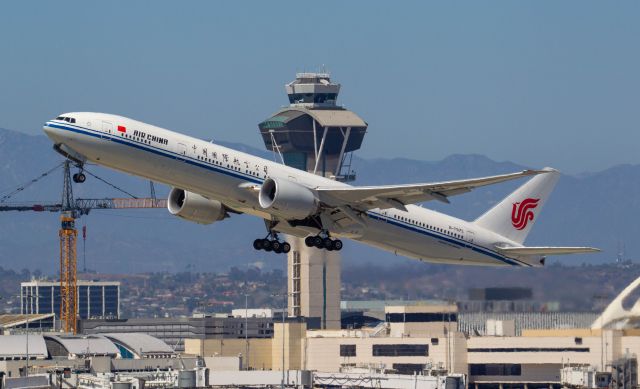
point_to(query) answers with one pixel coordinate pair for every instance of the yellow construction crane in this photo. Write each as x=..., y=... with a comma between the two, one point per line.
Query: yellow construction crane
x=71, y=210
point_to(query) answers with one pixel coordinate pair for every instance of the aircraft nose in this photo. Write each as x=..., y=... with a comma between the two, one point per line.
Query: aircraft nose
x=50, y=131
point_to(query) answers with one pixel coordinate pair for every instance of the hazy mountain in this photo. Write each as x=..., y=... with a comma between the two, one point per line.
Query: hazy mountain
x=596, y=209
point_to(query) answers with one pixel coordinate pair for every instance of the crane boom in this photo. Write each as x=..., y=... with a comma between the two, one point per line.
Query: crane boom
x=70, y=210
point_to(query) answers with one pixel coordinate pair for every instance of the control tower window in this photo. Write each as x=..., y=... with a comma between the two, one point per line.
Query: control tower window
x=317, y=98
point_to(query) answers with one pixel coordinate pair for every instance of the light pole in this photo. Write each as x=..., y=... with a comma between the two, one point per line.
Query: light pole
x=246, y=329
x=29, y=296
x=203, y=305
x=602, y=298
x=284, y=304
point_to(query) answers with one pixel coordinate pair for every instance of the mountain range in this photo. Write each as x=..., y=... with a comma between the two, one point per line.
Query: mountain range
x=599, y=209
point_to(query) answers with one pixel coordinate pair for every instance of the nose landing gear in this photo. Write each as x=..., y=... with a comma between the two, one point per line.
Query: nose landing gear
x=79, y=178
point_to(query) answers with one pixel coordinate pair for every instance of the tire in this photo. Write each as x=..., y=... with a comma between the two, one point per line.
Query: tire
x=317, y=242
x=286, y=247
x=81, y=178
x=327, y=244
x=337, y=245
x=75, y=177
x=257, y=244
x=309, y=241
x=266, y=245
x=277, y=246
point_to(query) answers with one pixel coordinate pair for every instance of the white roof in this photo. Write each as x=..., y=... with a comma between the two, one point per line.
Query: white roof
x=140, y=343
x=15, y=346
x=336, y=118
x=86, y=345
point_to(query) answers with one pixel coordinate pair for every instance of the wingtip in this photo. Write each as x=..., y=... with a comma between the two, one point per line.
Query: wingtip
x=541, y=171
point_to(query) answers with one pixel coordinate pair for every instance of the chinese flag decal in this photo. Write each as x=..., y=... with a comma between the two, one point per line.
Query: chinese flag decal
x=122, y=129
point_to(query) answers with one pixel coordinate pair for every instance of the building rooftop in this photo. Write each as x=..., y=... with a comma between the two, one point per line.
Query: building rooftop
x=82, y=345
x=14, y=347
x=141, y=345
x=8, y=321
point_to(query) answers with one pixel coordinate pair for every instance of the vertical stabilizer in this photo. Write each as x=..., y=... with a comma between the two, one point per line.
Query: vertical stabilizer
x=514, y=216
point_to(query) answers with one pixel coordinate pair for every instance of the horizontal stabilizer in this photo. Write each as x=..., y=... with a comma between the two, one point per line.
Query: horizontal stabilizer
x=546, y=250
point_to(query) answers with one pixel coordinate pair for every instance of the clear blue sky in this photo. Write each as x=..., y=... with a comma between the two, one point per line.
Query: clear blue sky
x=539, y=83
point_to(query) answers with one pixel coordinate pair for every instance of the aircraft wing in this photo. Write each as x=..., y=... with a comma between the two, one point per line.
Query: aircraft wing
x=546, y=250
x=397, y=196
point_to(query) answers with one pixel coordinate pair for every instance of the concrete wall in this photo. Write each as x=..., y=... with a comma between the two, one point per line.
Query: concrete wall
x=259, y=350
x=319, y=280
x=592, y=357
x=293, y=335
x=323, y=353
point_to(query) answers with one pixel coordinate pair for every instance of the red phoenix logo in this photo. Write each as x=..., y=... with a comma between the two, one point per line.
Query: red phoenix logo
x=522, y=213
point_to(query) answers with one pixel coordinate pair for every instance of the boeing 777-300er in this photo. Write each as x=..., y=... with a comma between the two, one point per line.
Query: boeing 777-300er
x=209, y=182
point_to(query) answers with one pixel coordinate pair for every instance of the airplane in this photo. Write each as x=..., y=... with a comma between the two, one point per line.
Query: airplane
x=210, y=182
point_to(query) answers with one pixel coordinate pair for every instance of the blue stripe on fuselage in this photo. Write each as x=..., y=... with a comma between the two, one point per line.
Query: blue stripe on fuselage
x=457, y=242
x=155, y=150
x=235, y=174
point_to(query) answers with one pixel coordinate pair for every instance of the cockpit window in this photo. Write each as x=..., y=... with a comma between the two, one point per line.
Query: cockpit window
x=60, y=118
x=66, y=119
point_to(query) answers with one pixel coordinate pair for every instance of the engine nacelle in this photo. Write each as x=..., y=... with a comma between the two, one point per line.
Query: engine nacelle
x=195, y=208
x=288, y=199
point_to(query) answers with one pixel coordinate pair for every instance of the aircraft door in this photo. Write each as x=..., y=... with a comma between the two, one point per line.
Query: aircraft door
x=470, y=236
x=182, y=149
x=107, y=130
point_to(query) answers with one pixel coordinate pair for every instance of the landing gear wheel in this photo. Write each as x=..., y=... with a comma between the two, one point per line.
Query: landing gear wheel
x=266, y=245
x=257, y=244
x=327, y=244
x=79, y=178
x=318, y=242
x=337, y=245
x=277, y=246
x=278, y=250
x=286, y=247
x=309, y=241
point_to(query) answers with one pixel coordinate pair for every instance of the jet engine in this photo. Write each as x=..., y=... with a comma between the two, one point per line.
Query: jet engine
x=195, y=208
x=288, y=199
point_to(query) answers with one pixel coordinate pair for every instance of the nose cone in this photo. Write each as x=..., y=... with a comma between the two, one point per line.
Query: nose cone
x=52, y=132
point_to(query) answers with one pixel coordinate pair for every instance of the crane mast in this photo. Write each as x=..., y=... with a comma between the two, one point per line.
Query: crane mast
x=68, y=257
x=70, y=210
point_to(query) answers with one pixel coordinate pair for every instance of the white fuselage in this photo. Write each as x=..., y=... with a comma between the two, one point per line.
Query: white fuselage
x=225, y=175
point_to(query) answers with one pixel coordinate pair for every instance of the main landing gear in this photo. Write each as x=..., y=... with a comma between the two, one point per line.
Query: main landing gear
x=323, y=243
x=272, y=243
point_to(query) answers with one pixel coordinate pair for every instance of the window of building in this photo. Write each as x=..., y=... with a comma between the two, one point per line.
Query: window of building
x=347, y=350
x=495, y=369
x=408, y=368
x=435, y=341
x=421, y=317
x=400, y=350
x=578, y=340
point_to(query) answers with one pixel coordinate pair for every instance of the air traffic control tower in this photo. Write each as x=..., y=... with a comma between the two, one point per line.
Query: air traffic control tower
x=314, y=134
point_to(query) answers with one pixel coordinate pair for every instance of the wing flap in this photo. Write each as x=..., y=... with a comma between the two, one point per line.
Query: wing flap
x=396, y=196
x=546, y=250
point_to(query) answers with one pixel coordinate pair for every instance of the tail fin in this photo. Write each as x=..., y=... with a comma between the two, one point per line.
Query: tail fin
x=514, y=216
